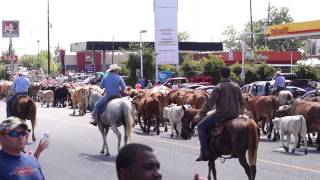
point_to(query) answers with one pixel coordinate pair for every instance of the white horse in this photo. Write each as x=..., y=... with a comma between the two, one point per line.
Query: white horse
x=93, y=97
x=285, y=97
x=118, y=112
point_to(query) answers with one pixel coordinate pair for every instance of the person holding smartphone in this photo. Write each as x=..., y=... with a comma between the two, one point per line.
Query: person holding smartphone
x=14, y=163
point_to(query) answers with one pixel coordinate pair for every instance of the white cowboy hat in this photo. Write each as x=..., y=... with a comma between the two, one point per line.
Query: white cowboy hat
x=113, y=67
x=278, y=72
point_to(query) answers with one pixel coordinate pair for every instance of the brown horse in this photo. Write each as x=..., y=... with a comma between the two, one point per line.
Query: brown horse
x=238, y=136
x=25, y=108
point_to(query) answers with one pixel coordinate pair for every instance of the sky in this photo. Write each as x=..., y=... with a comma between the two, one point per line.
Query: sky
x=103, y=20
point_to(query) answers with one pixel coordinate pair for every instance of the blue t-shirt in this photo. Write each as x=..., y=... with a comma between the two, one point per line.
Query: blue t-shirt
x=113, y=84
x=20, y=84
x=23, y=167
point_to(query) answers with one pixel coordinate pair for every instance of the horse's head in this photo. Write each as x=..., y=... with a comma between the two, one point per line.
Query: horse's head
x=187, y=122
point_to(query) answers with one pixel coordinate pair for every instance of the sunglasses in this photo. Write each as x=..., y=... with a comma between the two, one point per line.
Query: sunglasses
x=16, y=134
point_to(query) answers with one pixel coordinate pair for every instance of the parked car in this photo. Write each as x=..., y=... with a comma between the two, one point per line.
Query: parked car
x=206, y=88
x=296, y=91
x=177, y=80
x=257, y=88
x=311, y=94
x=190, y=86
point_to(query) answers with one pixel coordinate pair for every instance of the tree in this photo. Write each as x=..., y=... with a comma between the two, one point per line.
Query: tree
x=277, y=16
x=133, y=62
x=212, y=66
x=264, y=71
x=307, y=72
x=31, y=61
x=183, y=36
x=231, y=38
x=184, y=56
x=190, y=68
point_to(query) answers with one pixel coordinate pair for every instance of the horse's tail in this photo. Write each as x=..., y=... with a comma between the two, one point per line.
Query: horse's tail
x=253, y=142
x=128, y=117
x=32, y=112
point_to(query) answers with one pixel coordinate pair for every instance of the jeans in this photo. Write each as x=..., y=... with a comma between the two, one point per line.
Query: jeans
x=99, y=104
x=11, y=100
x=203, y=131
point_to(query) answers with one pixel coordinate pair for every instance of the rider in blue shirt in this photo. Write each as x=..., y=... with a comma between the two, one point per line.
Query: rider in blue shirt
x=20, y=86
x=279, y=83
x=114, y=86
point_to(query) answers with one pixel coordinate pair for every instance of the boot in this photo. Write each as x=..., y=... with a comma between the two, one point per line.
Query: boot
x=94, y=119
x=204, y=156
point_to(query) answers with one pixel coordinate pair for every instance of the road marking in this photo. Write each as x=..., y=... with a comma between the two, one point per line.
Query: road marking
x=110, y=164
x=261, y=160
x=197, y=148
x=290, y=166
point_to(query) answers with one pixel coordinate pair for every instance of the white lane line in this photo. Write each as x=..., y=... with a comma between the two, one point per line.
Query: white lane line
x=196, y=148
x=261, y=160
x=290, y=166
x=109, y=164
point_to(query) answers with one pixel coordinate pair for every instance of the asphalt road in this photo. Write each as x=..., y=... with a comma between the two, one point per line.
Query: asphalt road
x=75, y=146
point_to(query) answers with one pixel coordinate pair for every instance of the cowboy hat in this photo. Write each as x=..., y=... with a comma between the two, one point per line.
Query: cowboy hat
x=113, y=67
x=278, y=72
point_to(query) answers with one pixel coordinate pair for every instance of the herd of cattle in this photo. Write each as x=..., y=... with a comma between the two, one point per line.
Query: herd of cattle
x=155, y=107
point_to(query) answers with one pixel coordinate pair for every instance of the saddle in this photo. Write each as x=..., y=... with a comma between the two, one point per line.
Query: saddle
x=110, y=99
x=106, y=104
x=13, y=105
x=219, y=127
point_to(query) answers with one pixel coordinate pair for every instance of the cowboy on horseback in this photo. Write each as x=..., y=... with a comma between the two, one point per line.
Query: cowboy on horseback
x=20, y=86
x=279, y=83
x=114, y=86
x=228, y=100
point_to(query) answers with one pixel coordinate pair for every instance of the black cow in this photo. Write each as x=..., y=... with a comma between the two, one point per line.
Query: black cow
x=61, y=95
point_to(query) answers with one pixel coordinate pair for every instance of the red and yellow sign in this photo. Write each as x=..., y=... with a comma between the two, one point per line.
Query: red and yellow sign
x=308, y=30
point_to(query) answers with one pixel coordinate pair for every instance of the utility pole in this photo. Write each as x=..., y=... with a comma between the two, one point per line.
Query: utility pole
x=48, y=41
x=268, y=21
x=251, y=25
x=38, y=41
x=112, y=49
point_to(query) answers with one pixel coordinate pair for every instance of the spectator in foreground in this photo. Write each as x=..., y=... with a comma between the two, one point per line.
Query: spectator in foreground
x=138, y=162
x=14, y=164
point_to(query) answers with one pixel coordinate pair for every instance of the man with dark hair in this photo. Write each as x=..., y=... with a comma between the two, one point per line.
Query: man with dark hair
x=14, y=164
x=137, y=162
x=228, y=100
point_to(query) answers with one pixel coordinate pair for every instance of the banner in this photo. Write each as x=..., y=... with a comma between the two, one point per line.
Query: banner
x=10, y=28
x=166, y=34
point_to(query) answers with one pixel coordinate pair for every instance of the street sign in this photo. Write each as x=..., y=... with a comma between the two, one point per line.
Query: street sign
x=10, y=28
x=89, y=68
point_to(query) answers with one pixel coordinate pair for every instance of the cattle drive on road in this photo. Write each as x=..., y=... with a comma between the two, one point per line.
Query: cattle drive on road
x=154, y=108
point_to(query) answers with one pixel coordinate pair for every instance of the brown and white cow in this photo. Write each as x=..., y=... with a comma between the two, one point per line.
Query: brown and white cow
x=45, y=97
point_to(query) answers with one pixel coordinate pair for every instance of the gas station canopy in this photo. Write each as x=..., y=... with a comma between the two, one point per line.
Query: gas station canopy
x=299, y=30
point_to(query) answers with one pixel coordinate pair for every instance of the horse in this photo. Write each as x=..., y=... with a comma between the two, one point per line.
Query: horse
x=25, y=108
x=285, y=97
x=118, y=112
x=93, y=97
x=235, y=137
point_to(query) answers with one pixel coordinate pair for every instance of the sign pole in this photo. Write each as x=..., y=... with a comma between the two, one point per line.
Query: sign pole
x=10, y=54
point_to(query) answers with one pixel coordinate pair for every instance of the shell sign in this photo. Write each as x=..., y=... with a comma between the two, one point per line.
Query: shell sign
x=304, y=30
